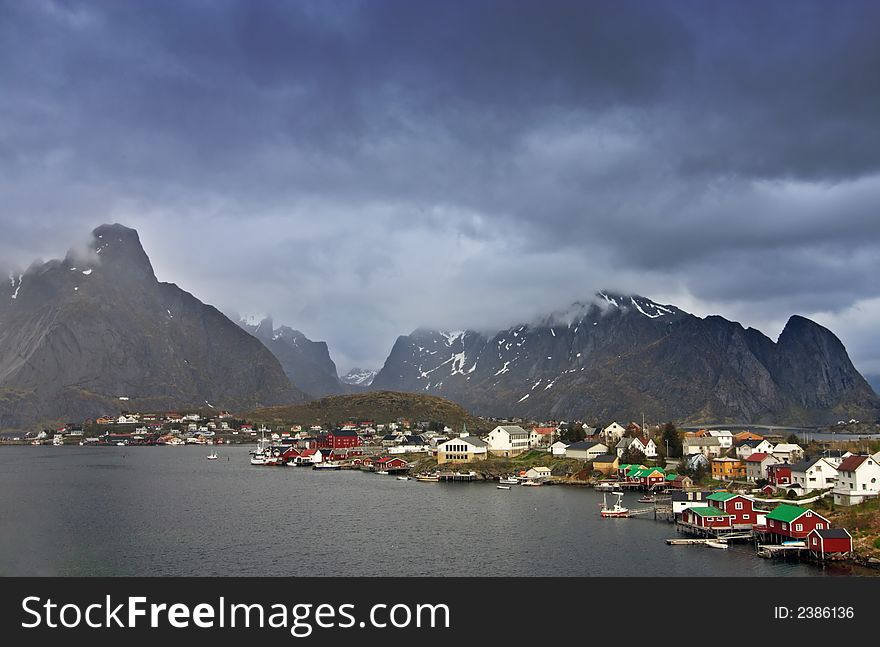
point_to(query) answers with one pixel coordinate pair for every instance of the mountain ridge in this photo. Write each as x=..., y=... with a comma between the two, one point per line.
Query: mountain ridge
x=618, y=356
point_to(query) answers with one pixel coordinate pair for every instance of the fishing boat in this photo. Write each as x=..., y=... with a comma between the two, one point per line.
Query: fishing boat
x=258, y=458
x=327, y=465
x=428, y=478
x=508, y=480
x=503, y=487
x=530, y=482
x=615, y=510
x=212, y=456
x=717, y=544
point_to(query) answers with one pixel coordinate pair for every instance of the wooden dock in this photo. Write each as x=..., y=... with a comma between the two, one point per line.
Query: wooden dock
x=770, y=551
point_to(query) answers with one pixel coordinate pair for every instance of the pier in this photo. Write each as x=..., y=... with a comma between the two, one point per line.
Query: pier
x=458, y=476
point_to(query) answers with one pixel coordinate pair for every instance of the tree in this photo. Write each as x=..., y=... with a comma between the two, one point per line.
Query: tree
x=572, y=433
x=632, y=456
x=792, y=439
x=671, y=438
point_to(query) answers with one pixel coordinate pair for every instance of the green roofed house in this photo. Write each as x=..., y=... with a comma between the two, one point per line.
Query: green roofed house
x=707, y=517
x=787, y=522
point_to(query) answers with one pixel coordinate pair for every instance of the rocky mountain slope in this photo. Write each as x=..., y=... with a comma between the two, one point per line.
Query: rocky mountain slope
x=620, y=356
x=307, y=363
x=80, y=334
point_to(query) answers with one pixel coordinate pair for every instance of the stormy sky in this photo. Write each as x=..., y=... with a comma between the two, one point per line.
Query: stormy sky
x=359, y=168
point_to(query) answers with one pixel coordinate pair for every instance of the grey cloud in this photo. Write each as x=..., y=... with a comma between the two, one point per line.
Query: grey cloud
x=460, y=163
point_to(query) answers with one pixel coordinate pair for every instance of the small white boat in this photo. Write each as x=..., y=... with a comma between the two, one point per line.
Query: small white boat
x=402, y=478
x=428, y=478
x=717, y=544
x=533, y=483
x=503, y=487
x=508, y=480
x=382, y=472
x=212, y=456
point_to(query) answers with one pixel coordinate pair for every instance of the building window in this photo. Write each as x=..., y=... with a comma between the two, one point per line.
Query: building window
x=798, y=527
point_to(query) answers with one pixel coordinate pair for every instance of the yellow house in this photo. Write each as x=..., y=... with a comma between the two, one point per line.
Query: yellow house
x=728, y=469
x=606, y=463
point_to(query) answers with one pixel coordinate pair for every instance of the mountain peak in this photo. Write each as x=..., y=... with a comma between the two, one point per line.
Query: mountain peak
x=121, y=246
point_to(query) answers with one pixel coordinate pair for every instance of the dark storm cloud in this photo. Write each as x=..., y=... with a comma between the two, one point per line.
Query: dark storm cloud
x=413, y=161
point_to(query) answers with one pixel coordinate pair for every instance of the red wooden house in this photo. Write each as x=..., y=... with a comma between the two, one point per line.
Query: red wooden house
x=789, y=522
x=290, y=454
x=707, y=517
x=779, y=474
x=829, y=542
x=339, y=439
x=742, y=508
x=391, y=464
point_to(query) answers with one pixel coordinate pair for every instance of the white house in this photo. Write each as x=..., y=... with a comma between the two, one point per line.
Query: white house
x=724, y=436
x=858, y=479
x=585, y=450
x=746, y=448
x=508, y=440
x=613, y=433
x=647, y=447
x=707, y=446
x=558, y=448
x=814, y=474
x=788, y=452
x=538, y=474
x=461, y=449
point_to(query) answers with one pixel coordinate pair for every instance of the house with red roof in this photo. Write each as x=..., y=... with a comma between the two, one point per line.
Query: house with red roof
x=757, y=464
x=858, y=479
x=390, y=464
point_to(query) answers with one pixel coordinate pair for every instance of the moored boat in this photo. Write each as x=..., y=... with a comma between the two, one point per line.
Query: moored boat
x=428, y=478
x=615, y=510
x=503, y=487
x=508, y=480
x=717, y=544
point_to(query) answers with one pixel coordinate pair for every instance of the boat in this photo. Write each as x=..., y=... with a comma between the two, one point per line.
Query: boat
x=508, y=480
x=402, y=478
x=648, y=498
x=212, y=456
x=717, y=544
x=428, y=478
x=382, y=472
x=615, y=510
x=326, y=465
x=258, y=458
x=530, y=482
x=503, y=487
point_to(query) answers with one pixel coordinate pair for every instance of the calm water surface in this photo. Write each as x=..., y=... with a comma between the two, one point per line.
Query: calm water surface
x=168, y=511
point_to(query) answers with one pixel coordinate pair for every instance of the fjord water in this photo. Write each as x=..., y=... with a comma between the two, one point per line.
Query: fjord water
x=143, y=511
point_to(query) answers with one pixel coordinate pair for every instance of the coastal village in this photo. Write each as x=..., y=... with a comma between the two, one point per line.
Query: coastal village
x=814, y=501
